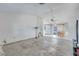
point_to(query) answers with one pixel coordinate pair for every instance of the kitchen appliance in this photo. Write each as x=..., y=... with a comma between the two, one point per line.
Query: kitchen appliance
x=76, y=42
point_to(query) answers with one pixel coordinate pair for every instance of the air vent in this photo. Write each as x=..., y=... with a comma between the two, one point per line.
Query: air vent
x=41, y=3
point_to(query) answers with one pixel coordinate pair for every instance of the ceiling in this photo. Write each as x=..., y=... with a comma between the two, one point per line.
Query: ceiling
x=28, y=7
x=33, y=8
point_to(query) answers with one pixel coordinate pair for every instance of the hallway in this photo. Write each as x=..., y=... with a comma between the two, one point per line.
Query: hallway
x=44, y=46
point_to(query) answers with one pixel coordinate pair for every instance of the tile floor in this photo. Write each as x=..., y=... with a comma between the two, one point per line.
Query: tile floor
x=44, y=46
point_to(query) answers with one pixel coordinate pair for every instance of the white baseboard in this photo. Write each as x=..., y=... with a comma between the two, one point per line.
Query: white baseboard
x=18, y=40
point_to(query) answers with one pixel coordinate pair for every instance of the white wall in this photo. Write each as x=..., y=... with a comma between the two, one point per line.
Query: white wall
x=16, y=26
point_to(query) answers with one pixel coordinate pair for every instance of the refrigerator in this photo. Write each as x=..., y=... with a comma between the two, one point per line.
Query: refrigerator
x=76, y=42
